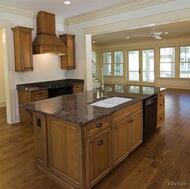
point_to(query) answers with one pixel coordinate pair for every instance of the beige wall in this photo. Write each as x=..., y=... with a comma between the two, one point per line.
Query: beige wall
x=177, y=82
x=2, y=78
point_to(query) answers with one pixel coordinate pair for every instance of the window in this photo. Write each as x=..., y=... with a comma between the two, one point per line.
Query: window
x=118, y=63
x=167, y=62
x=107, y=60
x=148, y=65
x=113, y=63
x=185, y=62
x=133, y=57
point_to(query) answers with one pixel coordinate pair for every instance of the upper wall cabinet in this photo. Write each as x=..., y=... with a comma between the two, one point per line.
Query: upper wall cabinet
x=68, y=60
x=23, y=48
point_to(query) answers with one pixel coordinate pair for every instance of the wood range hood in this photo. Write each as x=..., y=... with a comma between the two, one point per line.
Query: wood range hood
x=46, y=40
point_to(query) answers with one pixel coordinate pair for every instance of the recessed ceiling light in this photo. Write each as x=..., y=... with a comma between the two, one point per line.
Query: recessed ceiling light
x=67, y=2
x=166, y=33
x=127, y=37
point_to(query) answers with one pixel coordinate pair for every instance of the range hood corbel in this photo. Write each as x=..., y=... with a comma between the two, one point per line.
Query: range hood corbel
x=46, y=40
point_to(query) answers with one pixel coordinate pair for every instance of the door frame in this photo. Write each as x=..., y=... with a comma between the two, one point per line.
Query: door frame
x=9, y=72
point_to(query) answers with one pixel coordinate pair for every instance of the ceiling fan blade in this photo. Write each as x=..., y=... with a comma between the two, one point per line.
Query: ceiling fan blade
x=157, y=33
x=157, y=37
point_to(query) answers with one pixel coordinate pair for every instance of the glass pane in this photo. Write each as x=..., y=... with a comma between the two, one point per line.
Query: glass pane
x=167, y=54
x=118, y=57
x=167, y=70
x=167, y=62
x=133, y=57
x=148, y=65
x=185, y=54
x=107, y=69
x=118, y=69
x=184, y=62
x=185, y=70
x=134, y=76
x=107, y=57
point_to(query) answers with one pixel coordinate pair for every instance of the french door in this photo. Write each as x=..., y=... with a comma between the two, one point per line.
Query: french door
x=141, y=67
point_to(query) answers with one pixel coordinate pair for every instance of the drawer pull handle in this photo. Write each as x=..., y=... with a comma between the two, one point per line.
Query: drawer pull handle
x=100, y=142
x=99, y=125
x=39, y=93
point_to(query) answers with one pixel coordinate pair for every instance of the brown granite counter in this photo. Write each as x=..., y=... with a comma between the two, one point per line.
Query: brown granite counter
x=77, y=107
x=47, y=84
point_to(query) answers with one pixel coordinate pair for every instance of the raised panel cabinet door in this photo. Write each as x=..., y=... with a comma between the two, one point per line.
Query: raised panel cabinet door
x=26, y=41
x=135, y=126
x=160, y=109
x=98, y=162
x=23, y=48
x=64, y=150
x=39, y=124
x=71, y=51
x=120, y=141
x=68, y=60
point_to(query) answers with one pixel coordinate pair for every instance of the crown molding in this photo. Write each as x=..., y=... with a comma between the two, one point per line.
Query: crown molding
x=116, y=9
x=8, y=8
x=16, y=10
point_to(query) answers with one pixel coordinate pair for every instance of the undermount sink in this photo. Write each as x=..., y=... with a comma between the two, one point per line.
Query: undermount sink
x=111, y=102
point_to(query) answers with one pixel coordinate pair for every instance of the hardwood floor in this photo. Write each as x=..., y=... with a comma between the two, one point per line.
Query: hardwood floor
x=162, y=162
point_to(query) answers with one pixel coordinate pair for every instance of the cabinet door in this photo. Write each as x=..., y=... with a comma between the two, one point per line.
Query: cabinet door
x=39, y=124
x=23, y=48
x=135, y=126
x=160, y=109
x=120, y=141
x=97, y=152
x=68, y=60
x=26, y=51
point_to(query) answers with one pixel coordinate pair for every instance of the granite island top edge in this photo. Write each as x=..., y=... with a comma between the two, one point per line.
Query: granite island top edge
x=77, y=108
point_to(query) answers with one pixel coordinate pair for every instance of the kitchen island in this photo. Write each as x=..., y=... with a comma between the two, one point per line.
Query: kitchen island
x=77, y=143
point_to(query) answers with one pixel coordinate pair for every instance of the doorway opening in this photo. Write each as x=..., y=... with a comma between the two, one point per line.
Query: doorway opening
x=8, y=72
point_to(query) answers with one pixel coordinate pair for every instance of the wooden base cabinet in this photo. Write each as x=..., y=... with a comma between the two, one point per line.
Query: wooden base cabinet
x=127, y=131
x=77, y=157
x=120, y=141
x=160, y=108
x=40, y=138
x=98, y=153
x=25, y=96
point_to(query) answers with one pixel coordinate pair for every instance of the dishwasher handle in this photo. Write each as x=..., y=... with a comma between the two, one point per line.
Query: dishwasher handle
x=150, y=100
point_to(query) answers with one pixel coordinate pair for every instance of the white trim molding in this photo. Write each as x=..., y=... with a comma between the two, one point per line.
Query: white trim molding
x=116, y=9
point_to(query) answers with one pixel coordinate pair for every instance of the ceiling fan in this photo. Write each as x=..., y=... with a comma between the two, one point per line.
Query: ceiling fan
x=156, y=35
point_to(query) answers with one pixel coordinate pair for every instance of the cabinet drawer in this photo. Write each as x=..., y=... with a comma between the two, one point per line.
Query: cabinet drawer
x=160, y=118
x=121, y=114
x=77, y=88
x=39, y=95
x=96, y=126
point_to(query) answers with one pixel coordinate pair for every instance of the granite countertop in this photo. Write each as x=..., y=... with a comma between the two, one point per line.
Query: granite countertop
x=47, y=84
x=76, y=107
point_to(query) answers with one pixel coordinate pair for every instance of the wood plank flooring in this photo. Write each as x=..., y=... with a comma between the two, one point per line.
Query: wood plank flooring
x=163, y=162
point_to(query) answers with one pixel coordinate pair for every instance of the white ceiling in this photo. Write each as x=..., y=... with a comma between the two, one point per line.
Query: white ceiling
x=78, y=7
x=175, y=30
x=58, y=7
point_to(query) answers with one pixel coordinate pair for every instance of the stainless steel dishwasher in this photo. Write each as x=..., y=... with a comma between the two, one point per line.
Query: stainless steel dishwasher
x=149, y=117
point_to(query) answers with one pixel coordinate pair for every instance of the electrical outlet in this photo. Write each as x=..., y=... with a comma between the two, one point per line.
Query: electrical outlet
x=22, y=78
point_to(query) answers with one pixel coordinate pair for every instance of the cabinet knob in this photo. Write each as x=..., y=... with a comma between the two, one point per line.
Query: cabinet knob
x=100, y=142
x=99, y=125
